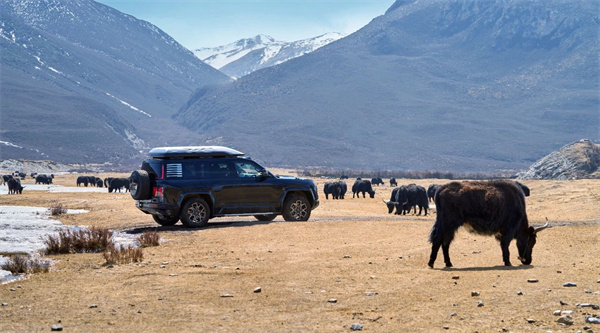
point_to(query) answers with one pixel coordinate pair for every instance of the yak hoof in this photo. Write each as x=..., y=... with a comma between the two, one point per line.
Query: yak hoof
x=448, y=264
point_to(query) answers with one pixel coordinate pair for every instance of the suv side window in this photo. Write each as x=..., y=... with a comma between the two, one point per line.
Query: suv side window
x=247, y=169
x=220, y=170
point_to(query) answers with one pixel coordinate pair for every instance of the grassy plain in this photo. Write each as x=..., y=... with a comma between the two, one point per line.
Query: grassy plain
x=351, y=263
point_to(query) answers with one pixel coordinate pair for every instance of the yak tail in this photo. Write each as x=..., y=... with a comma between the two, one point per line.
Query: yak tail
x=436, y=234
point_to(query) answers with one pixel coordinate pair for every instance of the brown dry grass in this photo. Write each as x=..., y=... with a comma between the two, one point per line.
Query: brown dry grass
x=349, y=248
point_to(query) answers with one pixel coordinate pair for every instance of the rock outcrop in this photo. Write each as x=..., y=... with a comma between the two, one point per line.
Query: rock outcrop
x=577, y=160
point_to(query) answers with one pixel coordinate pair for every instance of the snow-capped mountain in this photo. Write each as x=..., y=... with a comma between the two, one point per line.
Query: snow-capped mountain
x=250, y=54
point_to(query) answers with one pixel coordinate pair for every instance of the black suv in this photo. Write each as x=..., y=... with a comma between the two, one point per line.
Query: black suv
x=194, y=184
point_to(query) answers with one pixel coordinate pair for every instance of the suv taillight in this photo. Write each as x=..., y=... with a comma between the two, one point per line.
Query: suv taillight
x=158, y=192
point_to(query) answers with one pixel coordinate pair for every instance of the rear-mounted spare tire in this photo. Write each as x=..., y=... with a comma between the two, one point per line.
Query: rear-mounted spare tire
x=139, y=185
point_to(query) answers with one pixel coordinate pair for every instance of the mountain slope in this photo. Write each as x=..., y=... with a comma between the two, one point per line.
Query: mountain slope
x=430, y=85
x=576, y=160
x=251, y=54
x=105, y=77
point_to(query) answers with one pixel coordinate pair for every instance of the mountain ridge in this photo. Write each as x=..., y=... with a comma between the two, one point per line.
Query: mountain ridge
x=247, y=55
x=430, y=85
x=105, y=77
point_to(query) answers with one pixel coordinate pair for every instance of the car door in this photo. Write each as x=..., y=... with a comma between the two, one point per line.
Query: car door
x=253, y=192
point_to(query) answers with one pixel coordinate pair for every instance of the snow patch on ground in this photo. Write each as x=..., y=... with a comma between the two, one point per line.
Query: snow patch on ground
x=24, y=229
x=56, y=189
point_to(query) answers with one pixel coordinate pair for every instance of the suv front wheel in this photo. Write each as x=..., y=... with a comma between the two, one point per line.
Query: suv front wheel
x=296, y=208
x=195, y=213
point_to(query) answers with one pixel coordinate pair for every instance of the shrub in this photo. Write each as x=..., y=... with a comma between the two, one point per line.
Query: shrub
x=149, y=238
x=57, y=210
x=79, y=241
x=123, y=255
x=21, y=264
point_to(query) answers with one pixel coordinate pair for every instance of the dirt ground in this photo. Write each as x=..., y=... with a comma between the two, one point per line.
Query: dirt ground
x=352, y=263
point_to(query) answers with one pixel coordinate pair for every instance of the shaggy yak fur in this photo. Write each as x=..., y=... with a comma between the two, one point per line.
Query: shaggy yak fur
x=484, y=207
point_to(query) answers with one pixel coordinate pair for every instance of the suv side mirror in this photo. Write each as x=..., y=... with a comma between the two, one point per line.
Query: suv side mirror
x=264, y=174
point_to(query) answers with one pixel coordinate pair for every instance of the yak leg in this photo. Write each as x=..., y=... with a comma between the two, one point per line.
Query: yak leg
x=446, y=250
x=504, y=244
x=435, y=247
x=444, y=242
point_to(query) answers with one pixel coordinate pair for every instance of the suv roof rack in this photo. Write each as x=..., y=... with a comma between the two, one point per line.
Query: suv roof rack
x=193, y=151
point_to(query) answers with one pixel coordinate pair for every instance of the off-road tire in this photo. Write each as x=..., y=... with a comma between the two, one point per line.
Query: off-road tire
x=194, y=213
x=165, y=222
x=266, y=218
x=296, y=208
x=139, y=185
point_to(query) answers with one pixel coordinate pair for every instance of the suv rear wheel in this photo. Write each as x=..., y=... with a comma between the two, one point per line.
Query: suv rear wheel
x=195, y=213
x=165, y=222
x=296, y=208
x=139, y=185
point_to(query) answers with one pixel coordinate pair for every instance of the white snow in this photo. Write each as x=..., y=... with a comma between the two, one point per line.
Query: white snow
x=55, y=188
x=130, y=106
x=55, y=70
x=220, y=56
x=6, y=143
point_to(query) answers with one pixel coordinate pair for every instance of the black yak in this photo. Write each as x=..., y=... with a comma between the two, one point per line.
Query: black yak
x=487, y=208
x=362, y=186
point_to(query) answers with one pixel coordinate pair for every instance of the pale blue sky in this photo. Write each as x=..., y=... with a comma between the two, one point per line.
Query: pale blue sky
x=205, y=23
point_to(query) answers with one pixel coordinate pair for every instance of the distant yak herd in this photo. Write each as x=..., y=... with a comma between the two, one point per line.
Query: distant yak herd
x=13, y=181
x=113, y=184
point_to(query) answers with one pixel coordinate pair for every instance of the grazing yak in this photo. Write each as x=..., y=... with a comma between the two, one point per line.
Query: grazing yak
x=377, y=181
x=431, y=191
x=336, y=189
x=406, y=197
x=14, y=186
x=524, y=188
x=393, y=182
x=416, y=195
x=362, y=186
x=332, y=188
x=486, y=208
x=107, y=181
x=43, y=179
x=118, y=184
x=392, y=202
x=82, y=180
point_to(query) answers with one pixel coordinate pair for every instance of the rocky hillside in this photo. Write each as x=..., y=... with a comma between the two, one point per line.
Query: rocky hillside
x=82, y=82
x=447, y=85
x=577, y=160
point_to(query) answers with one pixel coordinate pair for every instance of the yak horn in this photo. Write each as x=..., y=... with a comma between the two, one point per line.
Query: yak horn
x=538, y=229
